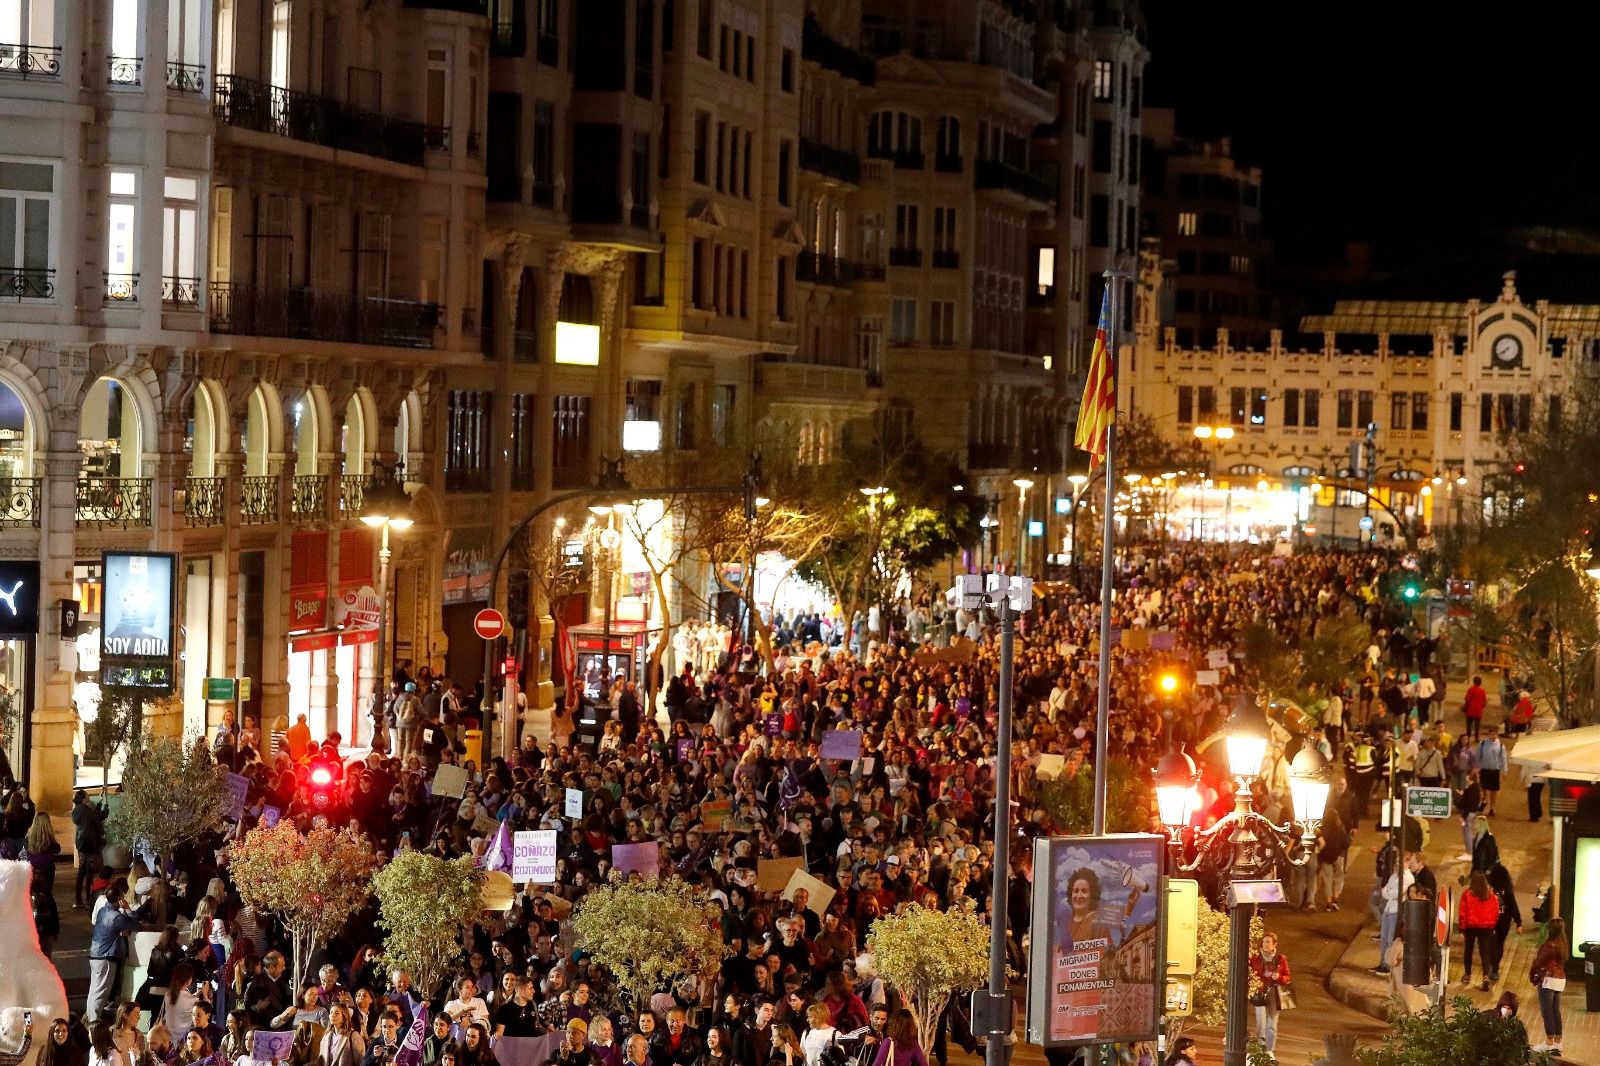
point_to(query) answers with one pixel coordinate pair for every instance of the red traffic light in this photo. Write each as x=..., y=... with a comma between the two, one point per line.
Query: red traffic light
x=321, y=776
x=1521, y=468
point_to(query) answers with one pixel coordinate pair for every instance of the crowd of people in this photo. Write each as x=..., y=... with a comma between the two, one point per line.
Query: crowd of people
x=908, y=823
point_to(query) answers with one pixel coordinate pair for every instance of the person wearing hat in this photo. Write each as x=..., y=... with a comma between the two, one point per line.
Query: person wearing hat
x=574, y=1050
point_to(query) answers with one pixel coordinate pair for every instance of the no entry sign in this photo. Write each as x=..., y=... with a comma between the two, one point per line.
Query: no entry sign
x=489, y=623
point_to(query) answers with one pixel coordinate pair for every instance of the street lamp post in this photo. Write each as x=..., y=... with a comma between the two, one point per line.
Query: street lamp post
x=1218, y=434
x=1023, y=484
x=384, y=506
x=874, y=493
x=1240, y=846
x=1010, y=596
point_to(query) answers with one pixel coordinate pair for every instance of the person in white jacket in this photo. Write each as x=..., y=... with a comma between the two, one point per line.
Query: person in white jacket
x=1394, y=889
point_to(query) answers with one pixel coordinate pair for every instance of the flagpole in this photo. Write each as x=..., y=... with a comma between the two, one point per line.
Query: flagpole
x=1113, y=280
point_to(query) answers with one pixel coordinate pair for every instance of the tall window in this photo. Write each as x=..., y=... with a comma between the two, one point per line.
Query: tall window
x=1419, y=410
x=1455, y=412
x=903, y=322
x=571, y=458
x=906, y=230
x=702, y=138
x=1400, y=411
x=282, y=12
x=1101, y=146
x=436, y=111
x=949, y=146
x=1185, y=404
x=1364, y=408
x=722, y=410
x=785, y=153
x=1188, y=223
x=1208, y=402
x=126, y=51
x=944, y=230
x=1291, y=407
x=467, y=442
x=1313, y=408
x=184, y=32
x=1258, y=407
x=180, y=272
x=28, y=22
x=942, y=322
x=1104, y=79
x=869, y=347
x=523, y=408
x=122, y=247
x=27, y=210
x=544, y=153
x=1345, y=412
x=1237, y=398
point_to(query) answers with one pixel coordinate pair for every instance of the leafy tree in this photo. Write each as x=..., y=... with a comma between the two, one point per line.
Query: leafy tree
x=312, y=882
x=171, y=794
x=930, y=955
x=1462, y=1034
x=112, y=729
x=649, y=933
x=1303, y=669
x=424, y=904
x=1068, y=800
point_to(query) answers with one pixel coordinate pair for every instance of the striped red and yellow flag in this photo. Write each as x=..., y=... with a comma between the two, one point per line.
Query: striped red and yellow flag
x=1099, y=407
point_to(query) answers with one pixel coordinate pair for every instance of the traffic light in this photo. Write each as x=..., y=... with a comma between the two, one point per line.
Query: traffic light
x=323, y=774
x=1409, y=590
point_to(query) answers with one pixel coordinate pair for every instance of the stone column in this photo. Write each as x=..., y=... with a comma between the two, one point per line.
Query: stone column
x=55, y=720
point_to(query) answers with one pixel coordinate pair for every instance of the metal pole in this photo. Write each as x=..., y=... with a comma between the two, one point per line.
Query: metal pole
x=1022, y=531
x=999, y=991
x=1237, y=1033
x=380, y=683
x=1108, y=536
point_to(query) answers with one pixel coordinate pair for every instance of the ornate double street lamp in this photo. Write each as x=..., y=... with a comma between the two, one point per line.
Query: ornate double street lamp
x=1243, y=846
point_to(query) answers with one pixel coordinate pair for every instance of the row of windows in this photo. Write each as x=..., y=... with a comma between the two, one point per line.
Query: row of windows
x=1354, y=408
x=726, y=163
x=908, y=229
x=644, y=413
x=905, y=325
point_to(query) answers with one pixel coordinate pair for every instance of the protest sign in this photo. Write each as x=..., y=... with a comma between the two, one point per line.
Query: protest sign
x=843, y=744
x=450, y=780
x=642, y=858
x=533, y=856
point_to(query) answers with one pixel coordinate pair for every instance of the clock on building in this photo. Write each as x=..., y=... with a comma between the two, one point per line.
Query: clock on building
x=1507, y=350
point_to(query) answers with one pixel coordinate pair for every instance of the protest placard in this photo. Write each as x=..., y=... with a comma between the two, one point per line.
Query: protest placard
x=1207, y=677
x=574, y=804
x=238, y=789
x=644, y=858
x=818, y=895
x=772, y=875
x=843, y=744
x=533, y=856
x=450, y=780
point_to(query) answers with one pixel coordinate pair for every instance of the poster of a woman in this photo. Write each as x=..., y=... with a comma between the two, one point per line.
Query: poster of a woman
x=1104, y=916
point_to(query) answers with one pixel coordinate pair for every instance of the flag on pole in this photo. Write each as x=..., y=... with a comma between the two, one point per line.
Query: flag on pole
x=497, y=856
x=410, y=1053
x=1099, y=406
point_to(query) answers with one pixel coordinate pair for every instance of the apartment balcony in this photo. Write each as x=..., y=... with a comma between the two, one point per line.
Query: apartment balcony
x=821, y=269
x=829, y=54
x=992, y=174
x=205, y=501
x=120, y=288
x=252, y=105
x=905, y=257
x=181, y=294
x=836, y=163
x=21, y=502
x=901, y=160
x=114, y=501
x=30, y=61
x=946, y=258
x=352, y=494
x=258, y=500
x=246, y=310
x=309, y=502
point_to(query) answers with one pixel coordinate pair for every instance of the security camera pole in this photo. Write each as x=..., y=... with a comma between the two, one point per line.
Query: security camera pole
x=1009, y=595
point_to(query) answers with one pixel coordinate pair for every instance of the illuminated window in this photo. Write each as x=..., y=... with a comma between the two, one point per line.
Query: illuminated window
x=577, y=344
x=1188, y=223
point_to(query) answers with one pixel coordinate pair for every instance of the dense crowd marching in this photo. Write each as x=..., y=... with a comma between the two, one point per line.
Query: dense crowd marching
x=908, y=823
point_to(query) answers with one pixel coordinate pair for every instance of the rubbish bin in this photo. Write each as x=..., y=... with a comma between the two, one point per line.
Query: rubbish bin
x=472, y=740
x=1590, y=950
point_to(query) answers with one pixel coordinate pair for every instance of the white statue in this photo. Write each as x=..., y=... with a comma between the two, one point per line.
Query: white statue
x=28, y=981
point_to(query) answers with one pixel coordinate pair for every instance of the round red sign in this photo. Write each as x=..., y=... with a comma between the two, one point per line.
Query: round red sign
x=489, y=623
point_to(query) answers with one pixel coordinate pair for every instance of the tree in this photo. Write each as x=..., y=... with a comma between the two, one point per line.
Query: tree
x=1068, y=800
x=1209, y=993
x=312, y=882
x=171, y=794
x=930, y=955
x=649, y=933
x=1462, y=1034
x=1302, y=670
x=424, y=904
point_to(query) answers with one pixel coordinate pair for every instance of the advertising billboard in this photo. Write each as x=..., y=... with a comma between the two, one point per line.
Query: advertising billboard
x=1098, y=971
x=136, y=632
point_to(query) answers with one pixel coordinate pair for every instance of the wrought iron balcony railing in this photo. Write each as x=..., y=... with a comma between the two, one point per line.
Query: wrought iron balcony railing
x=992, y=174
x=258, y=500
x=121, y=288
x=30, y=61
x=905, y=257
x=124, y=70
x=310, y=501
x=249, y=104
x=186, y=77
x=834, y=162
x=114, y=501
x=352, y=494
x=21, y=501
x=824, y=269
x=205, y=501
x=251, y=311
x=181, y=294
x=27, y=283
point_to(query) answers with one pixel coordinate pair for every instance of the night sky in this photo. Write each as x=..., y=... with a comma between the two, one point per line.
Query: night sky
x=1416, y=126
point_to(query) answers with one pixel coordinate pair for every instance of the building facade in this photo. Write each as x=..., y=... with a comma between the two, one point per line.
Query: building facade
x=255, y=253
x=1441, y=386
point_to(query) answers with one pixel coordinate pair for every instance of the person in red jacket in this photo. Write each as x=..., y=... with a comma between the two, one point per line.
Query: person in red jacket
x=1271, y=973
x=1473, y=707
x=1479, y=911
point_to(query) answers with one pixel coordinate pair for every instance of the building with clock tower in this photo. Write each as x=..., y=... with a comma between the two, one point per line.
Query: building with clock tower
x=1440, y=388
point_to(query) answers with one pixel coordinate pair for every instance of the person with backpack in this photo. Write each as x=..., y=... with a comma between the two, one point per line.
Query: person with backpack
x=89, y=837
